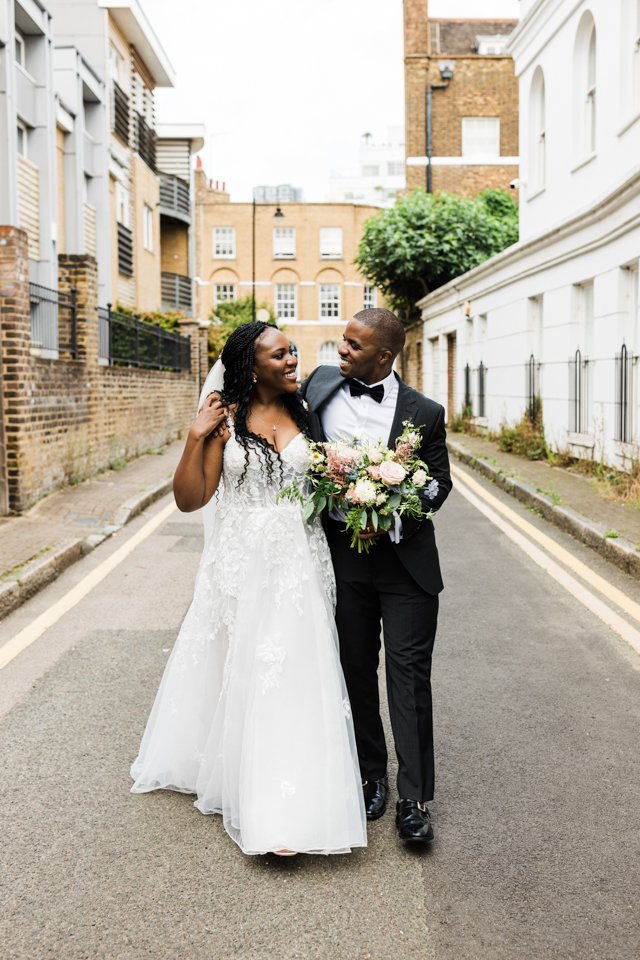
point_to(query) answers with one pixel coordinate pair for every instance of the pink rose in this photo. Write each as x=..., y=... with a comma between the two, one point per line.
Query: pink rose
x=374, y=471
x=392, y=473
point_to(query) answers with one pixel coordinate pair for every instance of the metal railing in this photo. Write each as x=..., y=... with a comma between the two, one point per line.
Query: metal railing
x=145, y=142
x=128, y=342
x=174, y=197
x=532, y=389
x=578, y=391
x=176, y=292
x=467, y=390
x=482, y=380
x=623, y=395
x=53, y=320
x=120, y=117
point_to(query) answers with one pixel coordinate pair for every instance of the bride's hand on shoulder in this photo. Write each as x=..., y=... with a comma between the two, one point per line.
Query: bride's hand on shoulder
x=211, y=419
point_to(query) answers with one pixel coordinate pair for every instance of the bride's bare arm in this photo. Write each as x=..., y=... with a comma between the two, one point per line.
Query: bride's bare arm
x=198, y=474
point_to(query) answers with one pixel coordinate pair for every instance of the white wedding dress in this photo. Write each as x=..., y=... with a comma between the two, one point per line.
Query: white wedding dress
x=252, y=713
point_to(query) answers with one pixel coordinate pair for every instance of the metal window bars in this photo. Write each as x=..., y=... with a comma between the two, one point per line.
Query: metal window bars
x=53, y=320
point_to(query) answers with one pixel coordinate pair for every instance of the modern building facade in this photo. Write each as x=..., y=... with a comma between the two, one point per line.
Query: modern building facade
x=554, y=320
x=381, y=172
x=298, y=257
x=461, y=103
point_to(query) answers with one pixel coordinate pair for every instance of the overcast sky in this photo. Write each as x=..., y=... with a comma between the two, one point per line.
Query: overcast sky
x=286, y=88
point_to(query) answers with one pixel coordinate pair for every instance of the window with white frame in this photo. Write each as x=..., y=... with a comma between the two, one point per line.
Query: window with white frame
x=286, y=301
x=370, y=299
x=370, y=170
x=585, y=108
x=22, y=139
x=395, y=168
x=20, y=50
x=488, y=45
x=634, y=16
x=225, y=292
x=122, y=204
x=284, y=243
x=147, y=227
x=480, y=136
x=537, y=133
x=331, y=243
x=328, y=353
x=115, y=64
x=329, y=301
x=224, y=243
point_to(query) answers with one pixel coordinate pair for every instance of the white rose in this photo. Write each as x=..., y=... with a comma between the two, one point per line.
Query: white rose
x=392, y=473
x=419, y=478
x=365, y=492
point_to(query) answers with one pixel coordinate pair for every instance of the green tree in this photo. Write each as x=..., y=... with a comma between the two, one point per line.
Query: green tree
x=425, y=240
x=226, y=317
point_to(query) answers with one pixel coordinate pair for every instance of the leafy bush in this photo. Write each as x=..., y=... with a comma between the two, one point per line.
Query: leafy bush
x=227, y=317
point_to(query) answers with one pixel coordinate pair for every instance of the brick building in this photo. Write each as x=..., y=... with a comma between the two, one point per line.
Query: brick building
x=304, y=266
x=461, y=102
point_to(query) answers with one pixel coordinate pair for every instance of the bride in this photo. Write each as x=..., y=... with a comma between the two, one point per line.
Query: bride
x=252, y=713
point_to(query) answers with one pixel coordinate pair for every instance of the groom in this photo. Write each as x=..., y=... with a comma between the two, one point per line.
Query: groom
x=398, y=581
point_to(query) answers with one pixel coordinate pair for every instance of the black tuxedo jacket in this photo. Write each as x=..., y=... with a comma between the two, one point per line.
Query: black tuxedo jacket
x=417, y=550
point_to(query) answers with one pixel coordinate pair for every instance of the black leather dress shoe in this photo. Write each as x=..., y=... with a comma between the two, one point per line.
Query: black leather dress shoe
x=413, y=821
x=376, y=793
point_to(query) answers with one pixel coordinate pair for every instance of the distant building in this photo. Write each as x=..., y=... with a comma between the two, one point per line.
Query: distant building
x=304, y=266
x=282, y=193
x=461, y=99
x=380, y=175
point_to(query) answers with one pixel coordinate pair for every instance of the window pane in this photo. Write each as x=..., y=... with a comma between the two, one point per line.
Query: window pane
x=286, y=301
x=330, y=301
x=480, y=136
x=225, y=292
x=224, y=242
x=328, y=353
x=370, y=297
x=331, y=242
x=284, y=243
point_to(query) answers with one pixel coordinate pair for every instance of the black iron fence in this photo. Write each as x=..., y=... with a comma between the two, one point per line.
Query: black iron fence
x=624, y=395
x=578, y=393
x=476, y=409
x=532, y=389
x=53, y=320
x=128, y=342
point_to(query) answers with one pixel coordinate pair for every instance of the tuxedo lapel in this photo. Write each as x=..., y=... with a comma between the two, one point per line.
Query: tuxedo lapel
x=406, y=409
x=325, y=382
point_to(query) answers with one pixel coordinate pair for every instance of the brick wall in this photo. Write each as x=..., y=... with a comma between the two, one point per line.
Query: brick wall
x=481, y=86
x=66, y=419
x=412, y=357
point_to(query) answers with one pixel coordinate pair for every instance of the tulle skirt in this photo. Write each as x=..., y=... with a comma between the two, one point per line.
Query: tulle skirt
x=252, y=714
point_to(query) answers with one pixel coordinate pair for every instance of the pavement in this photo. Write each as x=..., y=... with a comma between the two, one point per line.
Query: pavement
x=537, y=711
x=63, y=527
x=38, y=545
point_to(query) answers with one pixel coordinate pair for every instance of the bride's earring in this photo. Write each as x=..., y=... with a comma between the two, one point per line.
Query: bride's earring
x=254, y=378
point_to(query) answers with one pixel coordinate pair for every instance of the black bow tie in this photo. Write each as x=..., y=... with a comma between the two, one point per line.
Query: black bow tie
x=357, y=389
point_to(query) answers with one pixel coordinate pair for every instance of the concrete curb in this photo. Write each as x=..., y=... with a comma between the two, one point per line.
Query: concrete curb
x=38, y=573
x=618, y=550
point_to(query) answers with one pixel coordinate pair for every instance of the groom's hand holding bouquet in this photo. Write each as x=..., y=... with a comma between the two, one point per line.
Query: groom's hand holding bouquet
x=372, y=486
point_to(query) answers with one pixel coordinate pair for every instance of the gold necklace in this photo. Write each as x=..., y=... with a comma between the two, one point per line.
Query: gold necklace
x=277, y=423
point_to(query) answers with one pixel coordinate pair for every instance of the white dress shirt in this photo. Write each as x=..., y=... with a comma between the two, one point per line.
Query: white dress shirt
x=344, y=417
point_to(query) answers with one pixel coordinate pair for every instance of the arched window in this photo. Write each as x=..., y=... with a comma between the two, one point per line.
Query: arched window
x=630, y=59
x=328, y=353
x=585, y=87
x=537, y=133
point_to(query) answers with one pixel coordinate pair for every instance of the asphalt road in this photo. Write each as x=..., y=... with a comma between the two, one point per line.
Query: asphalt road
x=537, y=818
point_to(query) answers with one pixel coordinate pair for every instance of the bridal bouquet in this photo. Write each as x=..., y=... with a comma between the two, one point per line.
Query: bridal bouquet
x=367, y=482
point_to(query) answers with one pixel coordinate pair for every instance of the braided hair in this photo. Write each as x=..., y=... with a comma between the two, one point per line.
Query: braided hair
x=239, y=357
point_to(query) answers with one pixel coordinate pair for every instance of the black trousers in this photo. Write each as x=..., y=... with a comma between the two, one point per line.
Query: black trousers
x=373, y=588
